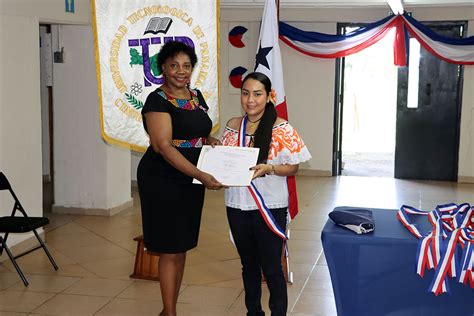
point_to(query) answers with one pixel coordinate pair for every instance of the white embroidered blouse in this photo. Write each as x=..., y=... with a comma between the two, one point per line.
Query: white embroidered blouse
x=286, y=147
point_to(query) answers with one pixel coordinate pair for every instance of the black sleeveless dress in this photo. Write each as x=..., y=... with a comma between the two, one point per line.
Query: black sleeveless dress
x=171, y=204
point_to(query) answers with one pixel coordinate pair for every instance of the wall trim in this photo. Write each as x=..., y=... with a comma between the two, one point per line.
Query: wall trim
x=465, y=179
x=314, y=173
x=92, y=211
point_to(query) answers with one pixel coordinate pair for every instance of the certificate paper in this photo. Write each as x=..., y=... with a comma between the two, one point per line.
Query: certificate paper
x=228, y=164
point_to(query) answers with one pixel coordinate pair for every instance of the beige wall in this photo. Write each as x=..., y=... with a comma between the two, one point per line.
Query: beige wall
x=89, y=174
x=466, y=149
x=19, y=21
x=20, y=113
x=48, y=11
x=20, y=101
x=310, y=82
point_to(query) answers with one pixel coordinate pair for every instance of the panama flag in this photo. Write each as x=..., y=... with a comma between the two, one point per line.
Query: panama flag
x=268, y=59
x=268, y=62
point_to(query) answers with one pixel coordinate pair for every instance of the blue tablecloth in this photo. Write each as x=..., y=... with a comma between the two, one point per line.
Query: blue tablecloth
x=374, y=274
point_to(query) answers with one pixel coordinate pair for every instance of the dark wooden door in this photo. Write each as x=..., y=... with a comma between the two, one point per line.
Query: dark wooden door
x=427, y=135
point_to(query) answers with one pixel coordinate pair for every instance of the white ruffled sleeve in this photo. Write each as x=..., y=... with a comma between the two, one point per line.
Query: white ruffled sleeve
x=287, y=146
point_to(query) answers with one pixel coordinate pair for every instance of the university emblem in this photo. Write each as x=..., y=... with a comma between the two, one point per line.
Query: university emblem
x=128, y=48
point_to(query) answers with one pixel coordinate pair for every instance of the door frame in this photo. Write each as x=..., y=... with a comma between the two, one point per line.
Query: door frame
x=339, y=104
x=339, y=101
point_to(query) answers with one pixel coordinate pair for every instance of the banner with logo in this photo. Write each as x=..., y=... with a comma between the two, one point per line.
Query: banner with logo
x=128, y=36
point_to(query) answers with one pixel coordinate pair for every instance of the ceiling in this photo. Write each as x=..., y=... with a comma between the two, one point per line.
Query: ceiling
x=344, y=3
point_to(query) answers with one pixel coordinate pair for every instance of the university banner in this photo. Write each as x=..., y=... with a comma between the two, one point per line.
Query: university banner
x=128, y=36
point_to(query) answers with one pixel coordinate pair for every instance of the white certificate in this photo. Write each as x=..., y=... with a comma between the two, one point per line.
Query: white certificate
x=228, y=164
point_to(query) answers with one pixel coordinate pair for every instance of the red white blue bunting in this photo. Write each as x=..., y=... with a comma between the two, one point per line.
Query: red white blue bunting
x=452, y=231
x=457, y=51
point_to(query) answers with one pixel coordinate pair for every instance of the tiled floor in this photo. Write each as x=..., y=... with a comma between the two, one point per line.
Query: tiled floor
x=96, y=255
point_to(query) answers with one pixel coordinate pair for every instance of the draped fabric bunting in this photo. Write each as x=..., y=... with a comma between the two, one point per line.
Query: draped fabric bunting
x=457, y=51
x=128, y=36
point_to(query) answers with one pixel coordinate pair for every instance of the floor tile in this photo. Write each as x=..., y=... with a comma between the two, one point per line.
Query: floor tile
x=8, y=279
x=96, y=253
x=315, y=304
x=73, y=270
x=98, y=287
x=64, y=241
x=96, y=267
x=318, y=287
x=77, y=305
x=37, y=261
x=235, y=284
x=70, y=228
x=221, y=252
x=200, y=310
x=127, y=307
x=301, y=234
x=142, y=290
x=118, y=268
x=21, y=301
x=45, y=284
x=211, y=295
x=212, y=272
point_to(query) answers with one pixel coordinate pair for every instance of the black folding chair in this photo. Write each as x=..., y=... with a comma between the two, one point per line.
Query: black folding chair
x=20, y=224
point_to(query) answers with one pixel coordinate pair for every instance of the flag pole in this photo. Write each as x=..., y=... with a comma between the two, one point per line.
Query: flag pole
x=278, y=9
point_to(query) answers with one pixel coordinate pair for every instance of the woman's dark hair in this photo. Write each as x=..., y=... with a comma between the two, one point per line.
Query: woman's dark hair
x=173, y=48
x=263, y=134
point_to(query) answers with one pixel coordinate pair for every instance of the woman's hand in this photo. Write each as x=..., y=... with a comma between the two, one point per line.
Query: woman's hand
x=210, y=182
x=261, y=170
x=213, y=141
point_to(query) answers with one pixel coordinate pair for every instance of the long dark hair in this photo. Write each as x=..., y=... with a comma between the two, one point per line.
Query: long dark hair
x=263, y=134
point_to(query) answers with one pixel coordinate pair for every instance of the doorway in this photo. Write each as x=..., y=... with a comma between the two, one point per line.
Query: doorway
x=46, y=89
x=369, y=99
x=389, y=121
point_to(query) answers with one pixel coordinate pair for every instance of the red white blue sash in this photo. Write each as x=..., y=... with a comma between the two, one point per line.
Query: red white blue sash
x=452, y=226
x=258, y=198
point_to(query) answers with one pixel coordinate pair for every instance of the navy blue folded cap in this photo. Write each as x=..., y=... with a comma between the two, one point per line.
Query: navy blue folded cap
x=358, y=220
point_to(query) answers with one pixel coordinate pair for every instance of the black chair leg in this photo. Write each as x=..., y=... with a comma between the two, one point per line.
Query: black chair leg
x=17, y=268
x=4, y=241
x=46, y=251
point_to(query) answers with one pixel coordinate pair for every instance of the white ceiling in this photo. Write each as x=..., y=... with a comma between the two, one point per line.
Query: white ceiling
x=344, y=3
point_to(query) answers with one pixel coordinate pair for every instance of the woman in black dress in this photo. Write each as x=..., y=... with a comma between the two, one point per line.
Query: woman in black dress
x=175, y=118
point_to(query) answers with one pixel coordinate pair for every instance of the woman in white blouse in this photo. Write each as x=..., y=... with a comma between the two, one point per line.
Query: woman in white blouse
x=258, y=214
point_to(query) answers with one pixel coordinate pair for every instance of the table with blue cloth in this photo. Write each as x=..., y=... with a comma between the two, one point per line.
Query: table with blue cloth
x=374, y=274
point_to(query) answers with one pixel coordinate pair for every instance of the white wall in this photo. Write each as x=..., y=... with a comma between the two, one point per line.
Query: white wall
x=466, y=149
x=310, y=82
x=20, y=113
x=48, y=11
x=135, y=160
x=20, y=109
x=309, y=86
x=88, y=172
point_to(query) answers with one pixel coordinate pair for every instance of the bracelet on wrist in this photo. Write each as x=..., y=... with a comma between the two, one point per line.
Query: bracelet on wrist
x=272, y=172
